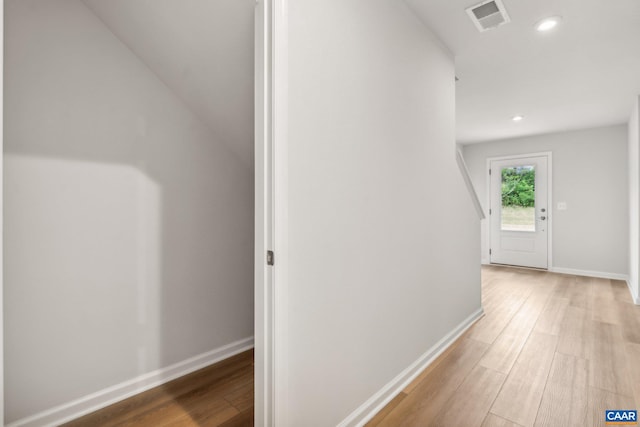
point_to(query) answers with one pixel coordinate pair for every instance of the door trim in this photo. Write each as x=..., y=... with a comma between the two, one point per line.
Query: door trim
x=271, y=192
x=551, y=210
x=1, y=211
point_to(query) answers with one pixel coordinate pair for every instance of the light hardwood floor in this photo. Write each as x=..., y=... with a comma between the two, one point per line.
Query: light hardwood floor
x=219, y=395
x=552, y=350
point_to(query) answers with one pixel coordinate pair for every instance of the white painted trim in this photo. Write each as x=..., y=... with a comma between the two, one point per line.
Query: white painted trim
x=600, y=275
x=464, y=171
x=280, y=199
x=550, y=210
x=551, y=213
x=589, y=273
x=520, y=156
x=375, y=403
x=1, y=211
x=635, y=298
x=585, y=273
x=263, y=240
x=572, y=271
x=487, y=222
x=271, y=212
x=110, y=395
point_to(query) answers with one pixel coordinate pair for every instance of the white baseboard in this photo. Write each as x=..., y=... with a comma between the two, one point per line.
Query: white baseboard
x=108, y=396
x=634, y=297
x=600, y=275
x=379, y=400
x=587, y=273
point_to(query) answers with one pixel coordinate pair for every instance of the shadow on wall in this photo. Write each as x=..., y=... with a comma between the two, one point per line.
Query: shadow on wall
x=128, y=225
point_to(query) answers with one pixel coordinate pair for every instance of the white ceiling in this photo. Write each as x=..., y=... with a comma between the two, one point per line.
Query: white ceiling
x=202, y=50
x=582, y=74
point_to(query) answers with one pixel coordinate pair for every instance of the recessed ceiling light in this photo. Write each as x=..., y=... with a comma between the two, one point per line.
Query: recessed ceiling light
x=517, y=118
x=548, y=24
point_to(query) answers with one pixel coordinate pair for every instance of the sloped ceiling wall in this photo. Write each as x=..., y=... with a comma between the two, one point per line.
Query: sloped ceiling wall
x=202, y=50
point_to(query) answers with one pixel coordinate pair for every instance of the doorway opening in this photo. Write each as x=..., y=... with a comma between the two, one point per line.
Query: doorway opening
x=129, y=167
x=519, y=223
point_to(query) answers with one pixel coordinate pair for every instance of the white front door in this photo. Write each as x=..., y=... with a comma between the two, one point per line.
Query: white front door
x=519, y=215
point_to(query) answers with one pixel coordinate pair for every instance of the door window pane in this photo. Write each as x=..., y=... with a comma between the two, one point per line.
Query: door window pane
x=518, y=198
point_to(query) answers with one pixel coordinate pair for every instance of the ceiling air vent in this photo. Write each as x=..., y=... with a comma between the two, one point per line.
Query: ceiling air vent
x=488, y=15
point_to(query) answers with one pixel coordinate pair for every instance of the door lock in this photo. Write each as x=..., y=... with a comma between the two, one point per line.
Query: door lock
x=543, y=217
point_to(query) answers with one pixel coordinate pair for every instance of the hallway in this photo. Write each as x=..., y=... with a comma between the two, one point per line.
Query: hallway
x=551, y=350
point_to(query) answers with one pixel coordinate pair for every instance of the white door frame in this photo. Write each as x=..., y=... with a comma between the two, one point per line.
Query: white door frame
x=550, y=210
x=1, y=212
x=271, y=212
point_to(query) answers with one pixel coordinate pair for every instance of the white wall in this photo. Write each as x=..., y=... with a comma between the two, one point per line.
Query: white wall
x=634, y=199
x=129, y=226
x=590, y=175
x=383, y=238
x=202, y=50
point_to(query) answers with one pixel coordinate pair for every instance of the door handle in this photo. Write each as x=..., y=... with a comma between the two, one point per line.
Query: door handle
x=543, y=217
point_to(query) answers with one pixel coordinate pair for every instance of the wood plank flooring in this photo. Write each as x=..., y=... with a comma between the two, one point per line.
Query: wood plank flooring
x=218, y=395
x=552, y=350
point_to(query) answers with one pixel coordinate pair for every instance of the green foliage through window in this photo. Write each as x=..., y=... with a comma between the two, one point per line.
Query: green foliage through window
x=518, y=186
